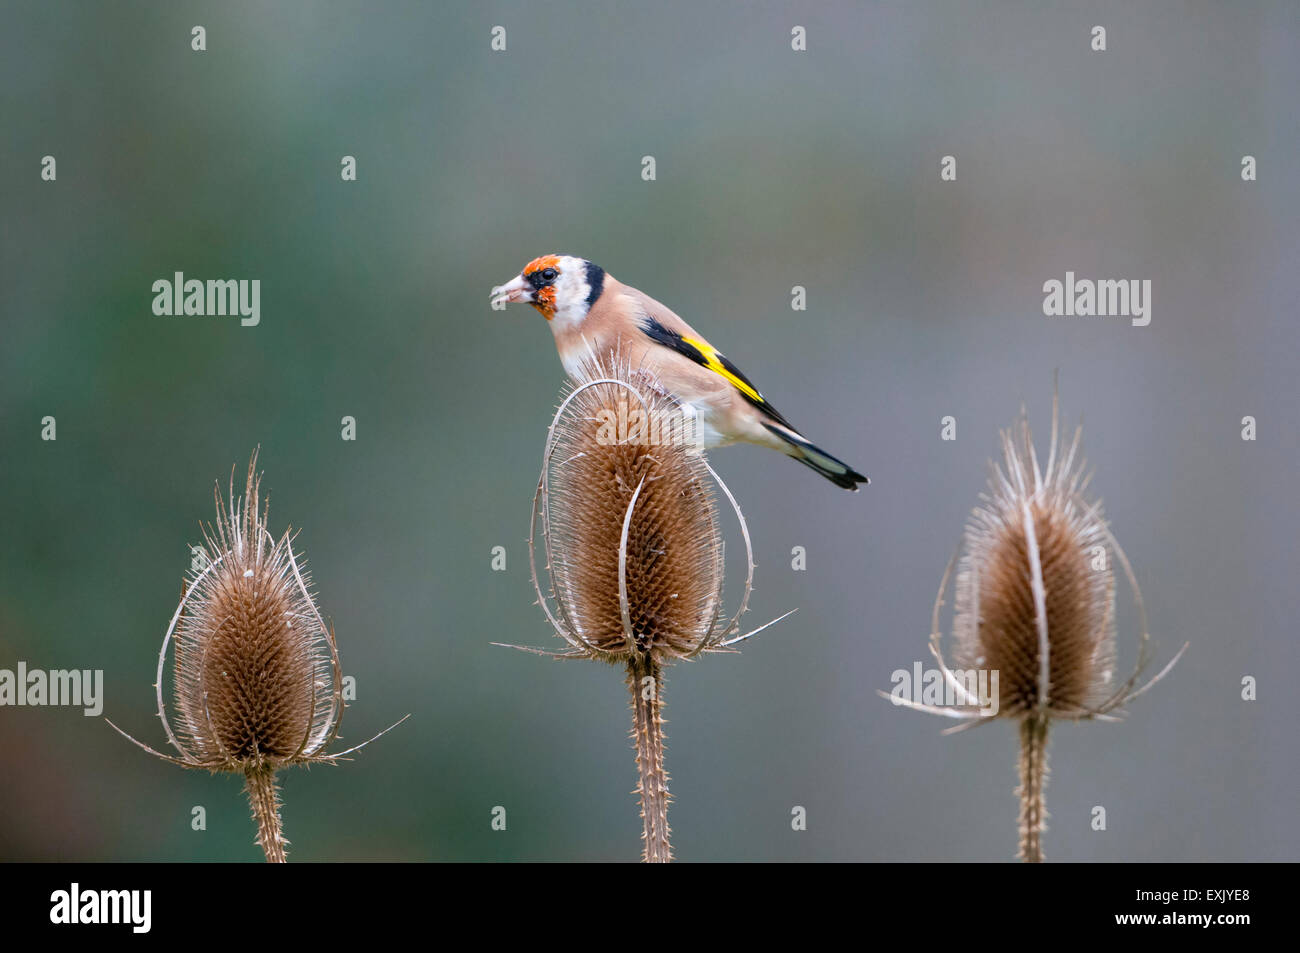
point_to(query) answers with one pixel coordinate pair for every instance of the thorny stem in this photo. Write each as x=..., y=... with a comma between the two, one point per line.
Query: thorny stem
x=263, y=795
x=1033, y=782
x=645, y=680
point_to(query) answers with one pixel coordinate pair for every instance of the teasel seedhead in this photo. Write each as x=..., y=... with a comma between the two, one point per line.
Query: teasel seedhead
x=1035, y=605
x=634, y=551
x=256, y=683
x=630, y=526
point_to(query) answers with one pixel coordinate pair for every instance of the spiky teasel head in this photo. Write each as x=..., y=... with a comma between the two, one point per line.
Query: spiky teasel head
x=1035, y=588
x=630, y=524
x=1034, y=611
x=257, y=677
x=256, y=682
x=1035, y=593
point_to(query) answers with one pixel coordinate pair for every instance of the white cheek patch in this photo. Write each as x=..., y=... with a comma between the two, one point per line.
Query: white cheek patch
x=571, y=290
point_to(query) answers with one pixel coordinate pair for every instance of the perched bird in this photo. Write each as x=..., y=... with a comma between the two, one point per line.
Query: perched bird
x=593, y=314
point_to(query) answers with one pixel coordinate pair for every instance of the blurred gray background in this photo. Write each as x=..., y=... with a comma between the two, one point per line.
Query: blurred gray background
x=775, y=169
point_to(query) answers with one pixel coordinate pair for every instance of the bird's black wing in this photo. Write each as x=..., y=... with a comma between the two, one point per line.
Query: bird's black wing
x=706, y=355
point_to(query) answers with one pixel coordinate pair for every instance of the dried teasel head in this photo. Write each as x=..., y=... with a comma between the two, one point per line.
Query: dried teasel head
x=630, y=525
x=256, y=680
x=1034, y=611
x=1035, y=594
x=1036, y=589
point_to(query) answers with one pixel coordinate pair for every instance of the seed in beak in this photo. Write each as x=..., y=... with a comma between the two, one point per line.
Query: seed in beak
x=511, y=292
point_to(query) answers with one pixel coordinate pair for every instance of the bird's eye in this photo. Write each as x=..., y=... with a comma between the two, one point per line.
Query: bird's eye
x=550, y=274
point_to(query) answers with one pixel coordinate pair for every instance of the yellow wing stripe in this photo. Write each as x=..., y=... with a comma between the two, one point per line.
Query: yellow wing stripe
x=712, y=360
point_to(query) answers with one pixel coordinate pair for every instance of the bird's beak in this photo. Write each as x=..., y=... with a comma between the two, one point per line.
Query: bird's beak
x=512, y=291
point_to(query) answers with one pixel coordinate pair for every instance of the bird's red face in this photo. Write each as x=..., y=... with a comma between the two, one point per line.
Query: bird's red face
x=536, y=285
x=561, y=287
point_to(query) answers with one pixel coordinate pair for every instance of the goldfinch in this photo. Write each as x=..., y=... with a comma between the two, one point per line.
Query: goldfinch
x=592, y=313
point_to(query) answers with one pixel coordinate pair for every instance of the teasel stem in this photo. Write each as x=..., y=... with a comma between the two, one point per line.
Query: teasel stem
x=1033, y=782
x=645, y=680
x=263, y=795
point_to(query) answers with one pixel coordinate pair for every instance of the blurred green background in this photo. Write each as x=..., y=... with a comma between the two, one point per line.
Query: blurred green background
x=775, y=169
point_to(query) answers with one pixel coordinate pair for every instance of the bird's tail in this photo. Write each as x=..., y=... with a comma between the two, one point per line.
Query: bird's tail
x=810, y=455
